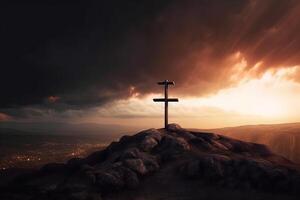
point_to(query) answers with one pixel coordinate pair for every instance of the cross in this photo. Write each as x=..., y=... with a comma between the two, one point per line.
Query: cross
x=166, y=83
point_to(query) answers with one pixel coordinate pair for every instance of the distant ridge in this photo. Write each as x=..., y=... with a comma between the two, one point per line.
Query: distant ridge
x=64, y=128
x=283, y=139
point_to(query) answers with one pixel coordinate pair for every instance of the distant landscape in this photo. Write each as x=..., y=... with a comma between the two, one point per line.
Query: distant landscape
x=283, y=139
x=30, y=145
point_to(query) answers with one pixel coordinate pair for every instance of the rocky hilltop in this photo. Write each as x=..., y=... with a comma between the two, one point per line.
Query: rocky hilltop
x=171, y=163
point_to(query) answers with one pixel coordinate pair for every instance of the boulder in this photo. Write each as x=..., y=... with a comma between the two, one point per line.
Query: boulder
x=171, y=148
x=44, y=183
x=202, y=144
x=175, y=144
x=219, y=145
x=181, y=133
x=80, y=181
x=148, y=143
x=153, y=133
x=96, y=157
x=130, y=178
x=227, y=144
x=186, y=135
x=150, y=162
x=207, y=136
x=173, y=127
x=86, y=167
x=109, y=181
x=125, y=139
x=191, y=169
x=130, y=153
x=136, y=165
x=212, y=168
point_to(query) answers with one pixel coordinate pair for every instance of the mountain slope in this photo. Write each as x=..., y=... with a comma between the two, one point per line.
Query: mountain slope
x=165, y=164
x=283, y=139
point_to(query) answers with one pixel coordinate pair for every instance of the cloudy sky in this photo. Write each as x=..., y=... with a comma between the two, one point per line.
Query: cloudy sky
x=234, y=62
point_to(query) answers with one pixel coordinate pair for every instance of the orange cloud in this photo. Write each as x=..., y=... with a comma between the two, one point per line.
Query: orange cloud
x=53, y=99
x=4, y=117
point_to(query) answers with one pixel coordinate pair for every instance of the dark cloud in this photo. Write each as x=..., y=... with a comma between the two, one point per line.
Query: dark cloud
x=87, y=54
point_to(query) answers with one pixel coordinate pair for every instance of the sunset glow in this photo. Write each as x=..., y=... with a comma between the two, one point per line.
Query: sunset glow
x=270, y=98
x=233, y=62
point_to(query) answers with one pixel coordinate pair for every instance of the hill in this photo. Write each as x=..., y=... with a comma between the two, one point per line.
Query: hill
x=164, y=164
x=283, y=139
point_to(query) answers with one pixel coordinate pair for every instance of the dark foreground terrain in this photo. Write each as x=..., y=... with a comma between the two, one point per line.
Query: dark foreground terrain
x=163, y=164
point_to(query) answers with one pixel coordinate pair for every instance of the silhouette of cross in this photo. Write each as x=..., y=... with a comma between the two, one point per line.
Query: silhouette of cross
x=166, y=83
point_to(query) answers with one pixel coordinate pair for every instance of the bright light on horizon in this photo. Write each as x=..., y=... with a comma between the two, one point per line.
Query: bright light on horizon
x=270, y=98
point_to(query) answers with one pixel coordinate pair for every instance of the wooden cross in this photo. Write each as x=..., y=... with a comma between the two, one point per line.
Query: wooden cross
x=166, y=83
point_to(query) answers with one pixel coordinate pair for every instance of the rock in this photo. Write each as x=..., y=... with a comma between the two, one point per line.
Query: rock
x=171, y=147
x=173, y=127
x=125, y=139
x=232, y=183
x=211, y=168
x=90, y=177
x=283, y=186
x=295, y=184
x=191, y=169
x=109, y=181
x=130, y=153
x=214, y=166
x=131, y=178
x=44, y=182
x=240, y=147
x=85, y=195
x=207, y=136
x=153, y=133
x=78, y=195
x=180, y=132
x=202, y=144
x=94, y=196
x=278, y=174
x=150, y=163
x=86, y=167
x=96, y=157
x=186, y=135
x=148, y=143
x=219, y=145
x=227, y=144
x=136, y=165
x=80, y=181
x=175, y=144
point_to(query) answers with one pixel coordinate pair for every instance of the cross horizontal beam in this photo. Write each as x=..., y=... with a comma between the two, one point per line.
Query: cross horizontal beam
x=166, y=82
x=164, y=100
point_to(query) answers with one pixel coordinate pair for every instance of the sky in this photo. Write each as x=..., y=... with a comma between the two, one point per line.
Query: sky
x=234, y=62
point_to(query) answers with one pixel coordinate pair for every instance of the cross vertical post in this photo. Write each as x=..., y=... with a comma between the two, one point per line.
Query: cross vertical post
x=166, y=100
x=166, y=105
